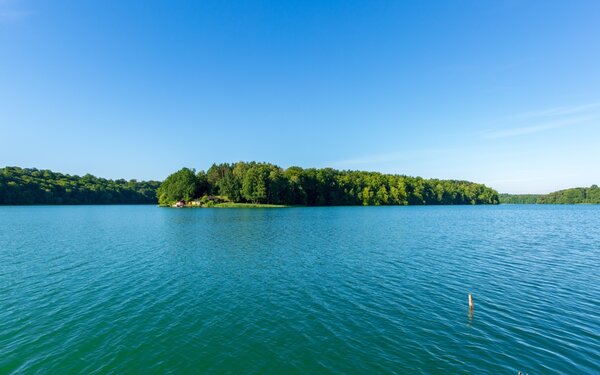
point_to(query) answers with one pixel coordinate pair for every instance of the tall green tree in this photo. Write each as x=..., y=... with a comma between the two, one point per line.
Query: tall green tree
x=181, y=185
x=254, y=184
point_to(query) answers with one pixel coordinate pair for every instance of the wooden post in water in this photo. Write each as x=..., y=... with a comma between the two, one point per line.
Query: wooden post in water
x=471, y=305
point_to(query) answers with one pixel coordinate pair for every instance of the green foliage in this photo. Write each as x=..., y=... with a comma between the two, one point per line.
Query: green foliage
x=519, y=198
x=264, y=183
x=245, y=205
x=181, y=185
x=246, y=182
x=579, y=195
x=573, y=196
x=33, y=186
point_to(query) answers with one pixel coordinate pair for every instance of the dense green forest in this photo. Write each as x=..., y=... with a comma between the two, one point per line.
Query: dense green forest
x=579, y=195
x=573, y=196
x=264, y=183
x=519, y=198
x=34, y=186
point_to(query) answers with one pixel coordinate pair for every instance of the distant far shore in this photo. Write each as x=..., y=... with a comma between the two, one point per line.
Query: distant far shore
x=265, y=183
x=579, y=195
x=261, y=185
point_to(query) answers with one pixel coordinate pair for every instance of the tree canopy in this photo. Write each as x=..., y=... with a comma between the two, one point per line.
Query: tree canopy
x=183, y=184
x=579, y=195
x=34, y=186
x=264, y=183
x=519, y=198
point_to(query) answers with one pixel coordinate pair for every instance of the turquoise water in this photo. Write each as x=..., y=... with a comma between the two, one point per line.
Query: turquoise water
x=356, y=290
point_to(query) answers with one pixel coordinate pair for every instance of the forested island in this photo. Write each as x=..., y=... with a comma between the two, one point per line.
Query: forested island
x=580, y=195
x=252, y=184
x=267, y=184
x=27, y=186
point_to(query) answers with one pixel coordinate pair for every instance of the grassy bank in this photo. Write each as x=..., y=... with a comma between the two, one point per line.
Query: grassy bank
x=221, y=204
x=248, y=205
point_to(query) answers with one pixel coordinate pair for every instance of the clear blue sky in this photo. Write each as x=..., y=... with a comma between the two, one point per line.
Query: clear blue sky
x=501, y=92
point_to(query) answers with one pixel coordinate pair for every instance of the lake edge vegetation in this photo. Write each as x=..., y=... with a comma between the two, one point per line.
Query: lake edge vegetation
x=31, y=186
x=300, y=187
x=578, y=195
x=267, y=184
x=294, y=186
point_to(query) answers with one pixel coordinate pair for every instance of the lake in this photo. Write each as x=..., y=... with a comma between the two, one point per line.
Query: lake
x=353, y=290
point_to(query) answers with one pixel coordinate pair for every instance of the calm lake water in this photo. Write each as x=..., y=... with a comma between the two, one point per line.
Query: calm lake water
x=356, y=290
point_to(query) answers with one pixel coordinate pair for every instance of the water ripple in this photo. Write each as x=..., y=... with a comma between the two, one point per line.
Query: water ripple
x=305, y=290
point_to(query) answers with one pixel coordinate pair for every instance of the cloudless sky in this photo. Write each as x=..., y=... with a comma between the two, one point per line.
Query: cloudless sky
x=506, y=93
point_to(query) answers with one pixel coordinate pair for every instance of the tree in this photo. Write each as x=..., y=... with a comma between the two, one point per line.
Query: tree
x=254, y=185
x=294, y=176
x=181, y=185
x=258, y=183
x=33, y=186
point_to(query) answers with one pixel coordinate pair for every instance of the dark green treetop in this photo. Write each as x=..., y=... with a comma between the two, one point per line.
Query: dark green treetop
x=181, y=185
x=265, y=183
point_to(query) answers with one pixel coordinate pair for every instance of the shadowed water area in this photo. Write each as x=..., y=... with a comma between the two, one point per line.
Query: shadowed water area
x=355, y=290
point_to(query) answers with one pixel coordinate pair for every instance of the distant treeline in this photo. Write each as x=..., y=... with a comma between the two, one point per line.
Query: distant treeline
x=19, y=186
x=263, y=183
x=519, y=198
x=579, y=195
